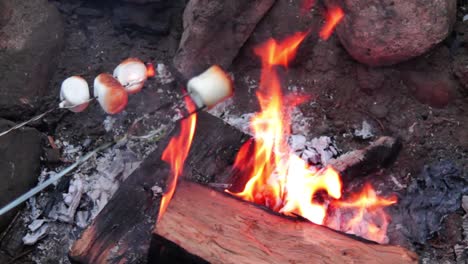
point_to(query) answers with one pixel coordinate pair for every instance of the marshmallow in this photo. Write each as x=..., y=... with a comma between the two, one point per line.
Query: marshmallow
x=74, y=94
x=210, y=87
x=110, y=93
x=132, y=74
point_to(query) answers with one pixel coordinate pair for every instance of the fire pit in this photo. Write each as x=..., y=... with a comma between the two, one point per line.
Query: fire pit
x=323, y=153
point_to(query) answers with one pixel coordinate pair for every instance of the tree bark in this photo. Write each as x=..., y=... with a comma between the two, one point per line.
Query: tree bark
x=222, y=229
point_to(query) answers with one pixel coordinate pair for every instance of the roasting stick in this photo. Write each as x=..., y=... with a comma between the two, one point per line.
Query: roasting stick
x=51, y=180
x=62, y=105
x=205, y=90
x=20, y=125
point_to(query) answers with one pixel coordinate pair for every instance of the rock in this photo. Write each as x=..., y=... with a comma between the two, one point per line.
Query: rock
x=147, y=19
x=429, y=88
x=29, y=42
x=20, y=153
x=214, y=31
x=380, y=33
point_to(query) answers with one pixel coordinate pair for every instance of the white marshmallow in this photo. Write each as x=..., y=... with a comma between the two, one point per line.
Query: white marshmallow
x=74, y=94
x=110, y=93
x=210, y=87
x=131, y=73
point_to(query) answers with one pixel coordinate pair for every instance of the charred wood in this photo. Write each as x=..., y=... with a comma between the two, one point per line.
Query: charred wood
x=358, y=163
x=122, y=231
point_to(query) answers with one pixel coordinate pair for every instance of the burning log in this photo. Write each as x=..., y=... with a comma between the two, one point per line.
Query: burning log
x=122, y=230
x=223, y=229
x=121, y=233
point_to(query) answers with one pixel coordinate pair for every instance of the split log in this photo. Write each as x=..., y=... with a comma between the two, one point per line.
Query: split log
x=222, y=229
x=121, y=233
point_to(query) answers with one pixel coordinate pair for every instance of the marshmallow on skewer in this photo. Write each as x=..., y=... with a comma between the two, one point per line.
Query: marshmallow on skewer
x=132, y=74
x=74, y=94
x=210, y=87
x=110, y=93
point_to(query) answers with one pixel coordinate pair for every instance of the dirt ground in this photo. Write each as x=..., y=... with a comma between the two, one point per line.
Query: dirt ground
x=344, y=94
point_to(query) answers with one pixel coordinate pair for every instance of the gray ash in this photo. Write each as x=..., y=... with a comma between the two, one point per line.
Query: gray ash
x=429, y=198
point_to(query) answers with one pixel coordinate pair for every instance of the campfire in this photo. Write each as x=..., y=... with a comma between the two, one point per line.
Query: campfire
x=211, y=131
x=278, y=178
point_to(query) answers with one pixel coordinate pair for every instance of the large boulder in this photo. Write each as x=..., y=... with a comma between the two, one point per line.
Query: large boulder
x=20, y=153
x=214, y=31
x=386, y=32
x=31, y=35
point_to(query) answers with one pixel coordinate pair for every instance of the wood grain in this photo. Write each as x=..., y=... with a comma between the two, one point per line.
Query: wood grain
x=223, y=229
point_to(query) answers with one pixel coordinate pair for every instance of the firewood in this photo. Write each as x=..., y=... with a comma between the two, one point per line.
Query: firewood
x=358, y=163
x=222, y=229
x=121, y=233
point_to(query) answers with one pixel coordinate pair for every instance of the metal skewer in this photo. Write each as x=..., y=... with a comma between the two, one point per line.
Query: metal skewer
x=20, y=125
x=61, y=106
x=52, y=179
x=35, y=118
x=80, y=160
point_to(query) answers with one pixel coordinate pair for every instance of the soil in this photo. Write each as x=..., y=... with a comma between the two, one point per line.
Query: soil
x=344, y=94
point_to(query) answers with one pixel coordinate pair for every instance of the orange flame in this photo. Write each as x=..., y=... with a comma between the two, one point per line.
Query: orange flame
x=150, y=72
x=278, y=178
x=367, y=208
x=176, y=152
x=334, y=16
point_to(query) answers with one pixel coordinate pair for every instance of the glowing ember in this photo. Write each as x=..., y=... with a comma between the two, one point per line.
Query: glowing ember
x=278, y=178
x=334, y=16
x=176, y=152
x=150, y=72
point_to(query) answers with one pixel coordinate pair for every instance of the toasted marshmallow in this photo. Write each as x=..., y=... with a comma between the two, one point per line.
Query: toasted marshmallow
x=74, y=94
x=132, y=74
x=110, y=93
x=210, y=87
